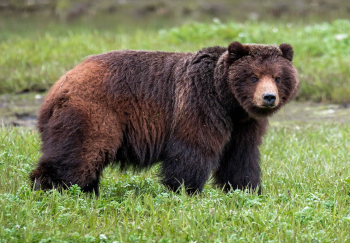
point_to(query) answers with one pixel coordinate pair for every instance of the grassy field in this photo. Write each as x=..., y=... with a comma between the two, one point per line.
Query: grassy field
x=306, y=197
x=33, y=58
x=306, y=172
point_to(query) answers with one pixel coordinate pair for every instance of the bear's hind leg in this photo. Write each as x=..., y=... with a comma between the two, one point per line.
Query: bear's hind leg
x=82, y=165
x=76, y=148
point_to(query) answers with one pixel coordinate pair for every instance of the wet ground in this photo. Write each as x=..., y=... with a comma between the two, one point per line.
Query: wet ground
x=21, y=110
x=303, y=112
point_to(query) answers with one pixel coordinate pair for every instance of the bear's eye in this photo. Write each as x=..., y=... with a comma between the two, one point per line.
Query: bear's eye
x=278, y=79
x=254, y=79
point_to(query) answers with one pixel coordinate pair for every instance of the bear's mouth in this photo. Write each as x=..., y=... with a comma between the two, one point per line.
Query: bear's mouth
x=263, y=111
x=267, y=107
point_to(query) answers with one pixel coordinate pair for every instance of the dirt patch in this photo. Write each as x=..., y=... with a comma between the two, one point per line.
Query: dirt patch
x=311, y=112
x=21, y=110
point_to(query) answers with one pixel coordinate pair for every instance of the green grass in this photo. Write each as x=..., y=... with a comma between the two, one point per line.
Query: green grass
x=36, y=58
x=306, y=198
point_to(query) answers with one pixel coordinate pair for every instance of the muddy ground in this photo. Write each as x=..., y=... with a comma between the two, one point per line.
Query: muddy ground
x=21, y=110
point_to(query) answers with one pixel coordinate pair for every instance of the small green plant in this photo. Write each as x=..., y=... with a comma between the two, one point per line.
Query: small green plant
x=74, y=190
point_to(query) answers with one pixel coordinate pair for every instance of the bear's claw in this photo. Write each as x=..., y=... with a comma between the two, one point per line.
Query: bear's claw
x=36, y=184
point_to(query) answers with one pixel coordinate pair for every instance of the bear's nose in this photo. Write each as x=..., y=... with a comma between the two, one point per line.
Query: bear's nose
x=269, y=99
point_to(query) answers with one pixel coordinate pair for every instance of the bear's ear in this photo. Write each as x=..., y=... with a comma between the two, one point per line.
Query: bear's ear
x=287, y=51
x=236, y=50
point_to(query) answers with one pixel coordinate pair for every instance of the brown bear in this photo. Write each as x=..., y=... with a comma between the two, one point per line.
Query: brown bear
x=196, y=114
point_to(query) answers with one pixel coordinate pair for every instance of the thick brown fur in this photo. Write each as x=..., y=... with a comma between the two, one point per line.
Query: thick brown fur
x=193, y=113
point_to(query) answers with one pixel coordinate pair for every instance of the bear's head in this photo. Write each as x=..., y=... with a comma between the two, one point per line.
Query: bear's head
x=262, y=78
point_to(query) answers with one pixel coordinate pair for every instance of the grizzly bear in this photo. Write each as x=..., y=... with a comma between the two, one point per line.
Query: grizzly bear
x=196, y=114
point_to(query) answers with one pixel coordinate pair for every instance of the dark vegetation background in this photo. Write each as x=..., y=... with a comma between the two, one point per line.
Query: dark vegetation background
x=42, y=39
x=196, y=10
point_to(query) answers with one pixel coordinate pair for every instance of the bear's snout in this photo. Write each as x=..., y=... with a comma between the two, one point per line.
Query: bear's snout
x=269, y=99
x=266, y=93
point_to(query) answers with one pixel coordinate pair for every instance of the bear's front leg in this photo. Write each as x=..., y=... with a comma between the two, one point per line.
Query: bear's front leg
x=239, y=169
x=239, y=166
x=188, y=165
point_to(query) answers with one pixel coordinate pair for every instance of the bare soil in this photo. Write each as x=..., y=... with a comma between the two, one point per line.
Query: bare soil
x=21, y=110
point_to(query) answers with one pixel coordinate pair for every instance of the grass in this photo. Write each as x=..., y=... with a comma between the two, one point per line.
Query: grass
x=306, y=173
x=35, y=58
x=306, y=197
